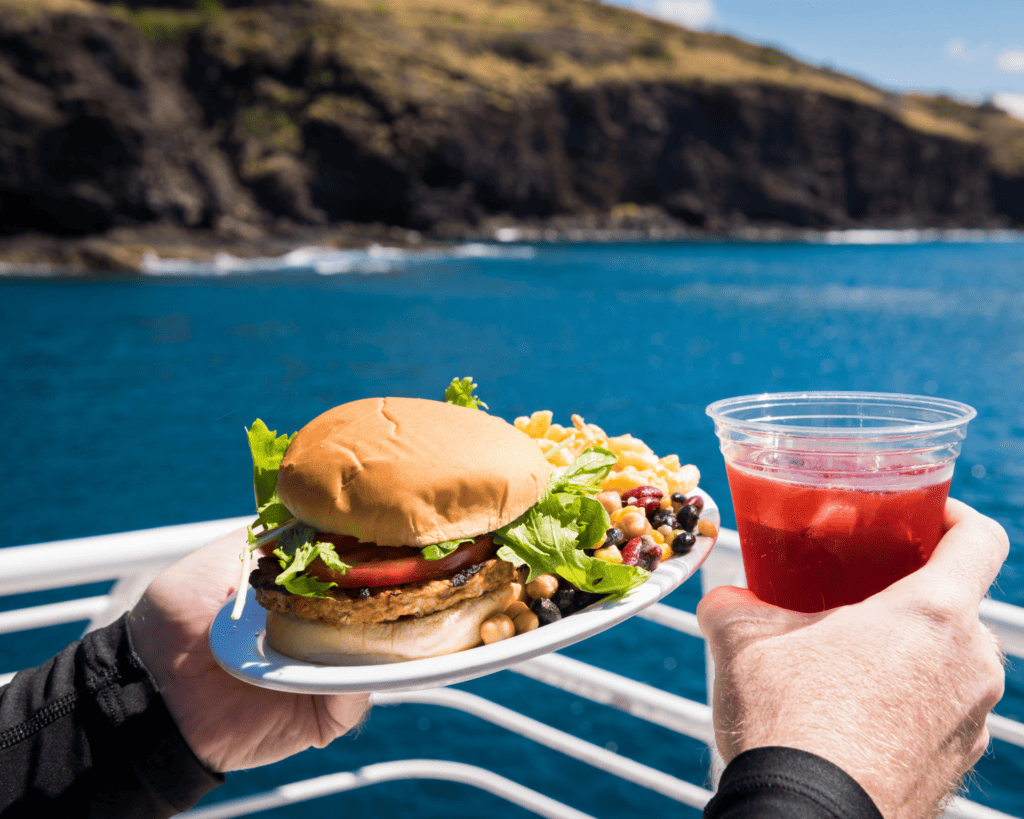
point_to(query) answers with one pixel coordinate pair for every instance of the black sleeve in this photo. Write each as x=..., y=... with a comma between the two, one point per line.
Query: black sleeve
x=784, y=783
x=88, y=733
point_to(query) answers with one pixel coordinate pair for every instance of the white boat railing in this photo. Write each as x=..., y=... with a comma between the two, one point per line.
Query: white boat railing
x=132, y=559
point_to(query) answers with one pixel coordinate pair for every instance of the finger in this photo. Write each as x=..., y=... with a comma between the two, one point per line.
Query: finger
x=969, y=556
x=730, y=617
x=210, y=574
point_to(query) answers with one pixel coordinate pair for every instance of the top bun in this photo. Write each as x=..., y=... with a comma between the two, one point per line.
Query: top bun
x=410, y=472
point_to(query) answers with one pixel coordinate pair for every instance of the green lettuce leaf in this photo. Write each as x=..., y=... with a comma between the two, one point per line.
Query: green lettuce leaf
x=460, y=393
x=267, y=450
x=584, y=475
x=295, y=550
x=435, y=551
x=550, y=537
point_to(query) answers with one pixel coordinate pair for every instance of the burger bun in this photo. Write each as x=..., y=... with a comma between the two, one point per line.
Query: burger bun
x=444, y=632
x=410, y=472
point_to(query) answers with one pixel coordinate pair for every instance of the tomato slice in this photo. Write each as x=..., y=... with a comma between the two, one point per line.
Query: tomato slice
x=372, y=565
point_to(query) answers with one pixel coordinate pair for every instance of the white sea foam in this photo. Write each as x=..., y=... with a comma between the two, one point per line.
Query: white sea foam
x=913, y=236
x=327, y=261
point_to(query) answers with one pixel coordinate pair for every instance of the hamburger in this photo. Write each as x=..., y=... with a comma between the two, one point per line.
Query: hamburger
x=394, y=527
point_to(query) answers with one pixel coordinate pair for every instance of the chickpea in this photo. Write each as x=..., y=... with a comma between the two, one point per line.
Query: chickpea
x=518, y=592
x=665, y=531
x=516, y=608
x=611, y=501
x=507, y=596
x=526, y=621
x=544, y=586
x=497, y=627
x=634, y=525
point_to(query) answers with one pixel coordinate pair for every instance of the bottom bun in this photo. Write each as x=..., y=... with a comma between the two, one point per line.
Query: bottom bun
x=443, y=632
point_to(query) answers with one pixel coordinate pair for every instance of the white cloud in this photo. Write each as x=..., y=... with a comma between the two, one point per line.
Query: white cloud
x=689, y=13
x=959, y=51
x=1012, y=104
x=1010, y=59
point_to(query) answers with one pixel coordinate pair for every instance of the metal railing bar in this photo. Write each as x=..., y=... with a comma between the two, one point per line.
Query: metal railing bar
x=600, y=758
x=104, y=557
x=1006, y=729
x=126, y=554
x=51, y=614
x=389, y=772
x=1007, y=622
x=635, y=698
x=673, y=618
x=960, y=808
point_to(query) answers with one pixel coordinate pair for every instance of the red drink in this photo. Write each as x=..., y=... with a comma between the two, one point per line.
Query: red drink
x=810, y=546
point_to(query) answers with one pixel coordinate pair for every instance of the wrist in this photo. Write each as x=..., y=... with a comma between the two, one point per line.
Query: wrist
x=145, y=633
x=791, y=781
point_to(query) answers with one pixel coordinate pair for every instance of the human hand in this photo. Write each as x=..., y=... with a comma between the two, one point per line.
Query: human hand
x=894, y=690
x=228, y=723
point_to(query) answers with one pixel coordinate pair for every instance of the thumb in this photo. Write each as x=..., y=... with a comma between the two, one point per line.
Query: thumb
x=965, y=562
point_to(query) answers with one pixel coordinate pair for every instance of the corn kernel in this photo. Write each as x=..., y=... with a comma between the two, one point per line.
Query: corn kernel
x=707, y=529
x=563, y=457
x=539, y=423
x=638, y=460
x=622, y=444
x=686, y=479
x=609, y=553
x=557, y=433
x=671, y=462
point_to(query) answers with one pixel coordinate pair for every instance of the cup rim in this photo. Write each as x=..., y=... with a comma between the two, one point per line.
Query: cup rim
x=958, y=412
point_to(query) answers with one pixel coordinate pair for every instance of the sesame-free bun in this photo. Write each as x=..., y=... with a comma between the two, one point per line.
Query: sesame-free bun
x=410, y=472
x=444, y=632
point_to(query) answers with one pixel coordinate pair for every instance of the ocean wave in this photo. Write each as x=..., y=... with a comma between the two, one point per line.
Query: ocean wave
x=914, y=236
x=326, y=261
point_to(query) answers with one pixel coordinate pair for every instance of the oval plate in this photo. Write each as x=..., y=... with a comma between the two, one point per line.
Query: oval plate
x=240, y=648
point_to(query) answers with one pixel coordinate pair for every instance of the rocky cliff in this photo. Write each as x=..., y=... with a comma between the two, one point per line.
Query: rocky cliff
x=266, y=120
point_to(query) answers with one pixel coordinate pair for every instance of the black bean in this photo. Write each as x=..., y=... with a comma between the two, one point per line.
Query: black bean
x=683, y=543
x=678, y=497
x=585, y=598
x=664, y=517
x=567, y=600
x=613, y=537
x=364, y=593
x=546, y=611
x=687, y=516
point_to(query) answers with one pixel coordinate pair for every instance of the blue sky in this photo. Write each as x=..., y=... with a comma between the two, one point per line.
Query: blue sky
x=970, y=50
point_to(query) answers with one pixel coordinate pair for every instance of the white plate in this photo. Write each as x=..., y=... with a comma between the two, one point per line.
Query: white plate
x=241, y=650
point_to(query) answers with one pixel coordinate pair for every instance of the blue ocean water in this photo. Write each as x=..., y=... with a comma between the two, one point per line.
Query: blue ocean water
x=125, y=402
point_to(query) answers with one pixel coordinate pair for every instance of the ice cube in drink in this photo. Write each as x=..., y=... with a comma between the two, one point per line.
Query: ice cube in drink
x=811, y=544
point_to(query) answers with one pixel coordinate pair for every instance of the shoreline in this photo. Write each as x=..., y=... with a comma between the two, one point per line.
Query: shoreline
x=171, y=250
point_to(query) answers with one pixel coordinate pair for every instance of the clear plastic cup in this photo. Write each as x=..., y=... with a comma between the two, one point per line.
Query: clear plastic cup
x=836, y=494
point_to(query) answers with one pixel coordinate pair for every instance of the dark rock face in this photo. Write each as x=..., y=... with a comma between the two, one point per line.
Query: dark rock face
x=100, y=128
x=715, y=156
x=97, y=130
